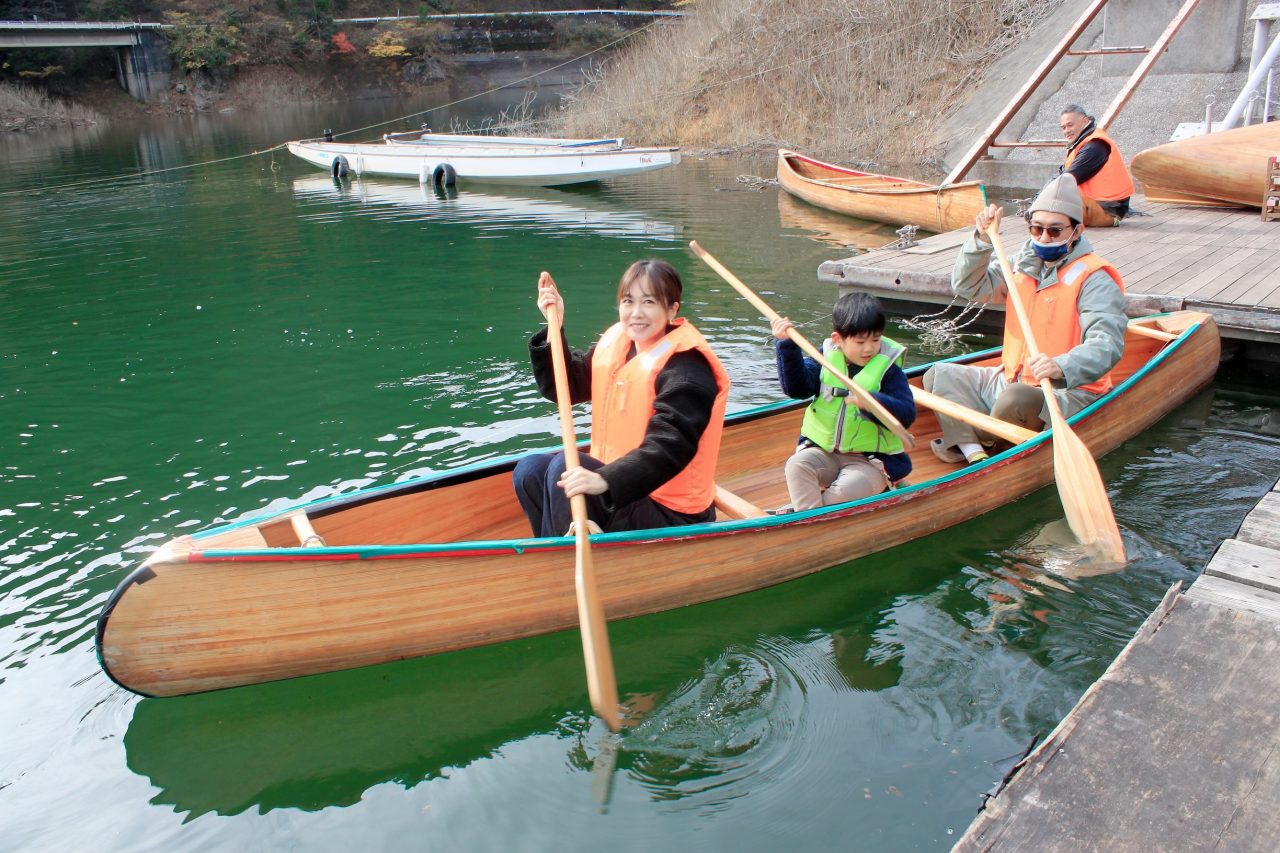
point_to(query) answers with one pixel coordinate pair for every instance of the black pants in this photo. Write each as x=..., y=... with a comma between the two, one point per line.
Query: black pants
x=537, y=479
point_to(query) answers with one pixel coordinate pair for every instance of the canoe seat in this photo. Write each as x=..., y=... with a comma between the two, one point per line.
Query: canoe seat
x=307, y=536
x=732, y=506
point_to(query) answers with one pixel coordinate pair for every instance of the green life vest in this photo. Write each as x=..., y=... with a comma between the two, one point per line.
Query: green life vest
x=834, y=420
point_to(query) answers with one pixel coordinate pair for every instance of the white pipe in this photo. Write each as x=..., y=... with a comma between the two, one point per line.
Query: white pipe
x=1266, y=105
x=1260, y=32
x=1255, y=80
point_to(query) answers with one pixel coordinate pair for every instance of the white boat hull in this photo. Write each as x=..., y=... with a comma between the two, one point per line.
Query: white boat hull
x=530, y=166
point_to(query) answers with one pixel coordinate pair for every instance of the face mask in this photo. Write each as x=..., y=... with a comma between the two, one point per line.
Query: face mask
x=1050, y=251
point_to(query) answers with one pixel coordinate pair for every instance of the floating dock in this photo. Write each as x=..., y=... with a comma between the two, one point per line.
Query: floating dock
x=1224, y=261
x=1177, y=746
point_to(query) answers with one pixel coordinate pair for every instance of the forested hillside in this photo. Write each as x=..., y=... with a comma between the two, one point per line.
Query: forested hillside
x=237, y=33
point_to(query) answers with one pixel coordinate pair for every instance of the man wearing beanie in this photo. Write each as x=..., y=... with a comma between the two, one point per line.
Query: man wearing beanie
x=1075, y=302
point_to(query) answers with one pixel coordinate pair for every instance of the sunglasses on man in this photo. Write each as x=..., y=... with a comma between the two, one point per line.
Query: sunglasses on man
x=1053, y=232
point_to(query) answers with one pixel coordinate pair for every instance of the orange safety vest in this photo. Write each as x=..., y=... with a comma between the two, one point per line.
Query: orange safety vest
x=1054, y=318
x=622, y=394
x=1112, y=181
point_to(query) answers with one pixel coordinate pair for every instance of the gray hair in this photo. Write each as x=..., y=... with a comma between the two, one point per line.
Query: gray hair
x=1077, y=109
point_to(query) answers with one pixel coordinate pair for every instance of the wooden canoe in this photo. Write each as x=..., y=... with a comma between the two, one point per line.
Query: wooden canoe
x=1227, y=168
x=880, y=198
x=417, y=568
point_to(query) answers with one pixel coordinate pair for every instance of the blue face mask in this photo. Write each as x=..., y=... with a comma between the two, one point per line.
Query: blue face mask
x=1050, y=251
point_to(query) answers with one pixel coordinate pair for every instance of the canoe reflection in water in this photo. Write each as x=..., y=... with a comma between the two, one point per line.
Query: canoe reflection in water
x=553, y=211
x=833, y=229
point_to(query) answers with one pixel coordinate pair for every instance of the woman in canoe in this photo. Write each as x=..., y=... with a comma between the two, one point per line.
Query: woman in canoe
x=658, y=397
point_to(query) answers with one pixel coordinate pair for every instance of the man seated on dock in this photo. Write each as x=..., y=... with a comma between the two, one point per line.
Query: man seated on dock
x=1095, y=161
x=1075, y=302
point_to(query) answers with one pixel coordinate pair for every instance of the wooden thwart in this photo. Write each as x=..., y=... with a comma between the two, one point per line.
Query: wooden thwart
x=307, y=536
x=731, y=506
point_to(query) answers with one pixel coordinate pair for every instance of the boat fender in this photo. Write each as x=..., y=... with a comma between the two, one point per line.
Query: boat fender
x=444, y=176
x=340, y=168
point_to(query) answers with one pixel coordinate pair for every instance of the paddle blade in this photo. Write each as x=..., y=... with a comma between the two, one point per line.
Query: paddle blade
x=602, y=686
x=1084, y=496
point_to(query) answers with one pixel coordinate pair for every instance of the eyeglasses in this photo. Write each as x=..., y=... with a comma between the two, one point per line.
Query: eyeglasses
x=1053, y=232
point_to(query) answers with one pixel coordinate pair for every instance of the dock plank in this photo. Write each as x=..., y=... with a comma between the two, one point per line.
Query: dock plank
x=1262, y=525
x=1246, y=563
x=1236, y=596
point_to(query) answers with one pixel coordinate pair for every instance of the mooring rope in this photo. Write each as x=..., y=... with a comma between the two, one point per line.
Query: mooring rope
x=940, y=334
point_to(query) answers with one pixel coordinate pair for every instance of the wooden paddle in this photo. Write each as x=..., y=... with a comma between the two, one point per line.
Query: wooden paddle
x=601, y=685
x=995, y=426
x=1080, y=486
x=862, y=395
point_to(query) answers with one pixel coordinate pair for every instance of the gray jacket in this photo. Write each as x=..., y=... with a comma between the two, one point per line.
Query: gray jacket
x=976, y=277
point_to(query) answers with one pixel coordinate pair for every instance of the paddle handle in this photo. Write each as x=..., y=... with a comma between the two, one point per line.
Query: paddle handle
x=862, y=395
x=602, y=686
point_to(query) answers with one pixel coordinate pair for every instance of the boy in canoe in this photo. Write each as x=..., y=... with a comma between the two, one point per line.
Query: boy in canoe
x=844, y=453
x=1075, y=302
x=658, y=396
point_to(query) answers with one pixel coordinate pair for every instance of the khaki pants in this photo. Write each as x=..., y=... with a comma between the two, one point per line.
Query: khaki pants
x=1095, y=216
x=817, y=478
x=984, y=389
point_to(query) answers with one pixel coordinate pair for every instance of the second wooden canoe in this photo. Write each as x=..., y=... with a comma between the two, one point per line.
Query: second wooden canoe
x=880, y=198
x=1224, y=168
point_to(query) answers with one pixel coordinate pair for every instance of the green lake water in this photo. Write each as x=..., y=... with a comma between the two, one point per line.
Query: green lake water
x=187, y=348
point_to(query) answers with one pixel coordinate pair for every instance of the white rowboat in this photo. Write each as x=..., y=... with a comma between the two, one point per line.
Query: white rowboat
x=530, y=163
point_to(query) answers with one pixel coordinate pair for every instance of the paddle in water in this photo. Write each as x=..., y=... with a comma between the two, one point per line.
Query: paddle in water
x=1080, y=487
x=601, y=685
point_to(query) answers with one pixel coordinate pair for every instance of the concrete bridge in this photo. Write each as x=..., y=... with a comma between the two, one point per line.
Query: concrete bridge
x=141, y=50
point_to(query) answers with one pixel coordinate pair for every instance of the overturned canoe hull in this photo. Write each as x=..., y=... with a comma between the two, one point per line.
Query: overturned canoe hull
x=880, y=198
x=444, y=562
x=1227, y=168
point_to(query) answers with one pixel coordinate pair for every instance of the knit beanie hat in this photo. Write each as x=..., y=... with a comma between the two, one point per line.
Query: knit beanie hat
x=1061, y=195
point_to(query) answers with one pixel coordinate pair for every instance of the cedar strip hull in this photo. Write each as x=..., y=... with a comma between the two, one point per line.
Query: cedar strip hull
x=245, y=605
x=1228, y=167
x=880, y=198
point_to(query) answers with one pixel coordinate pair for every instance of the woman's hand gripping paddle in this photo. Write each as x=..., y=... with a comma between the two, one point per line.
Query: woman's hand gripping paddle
x=1080, y=486
x=601, y=685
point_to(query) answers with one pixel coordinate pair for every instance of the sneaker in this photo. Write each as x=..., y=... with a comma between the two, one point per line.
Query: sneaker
x=782, y=510
x=950, y=455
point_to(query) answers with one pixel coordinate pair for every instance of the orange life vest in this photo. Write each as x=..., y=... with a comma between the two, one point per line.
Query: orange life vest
x=1054, y=318
x=1112, y=181
x=622, y=394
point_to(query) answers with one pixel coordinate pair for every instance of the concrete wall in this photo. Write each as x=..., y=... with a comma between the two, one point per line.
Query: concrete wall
x=143, y=68
x=1166, y=98
x=1208, y=41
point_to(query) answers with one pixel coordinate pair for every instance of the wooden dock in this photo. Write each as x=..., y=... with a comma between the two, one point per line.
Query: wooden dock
x=1177, y=746
x=1225, y=261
